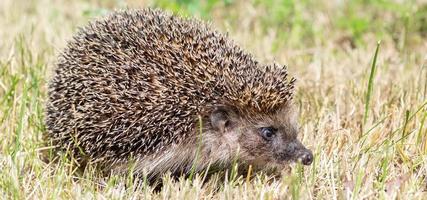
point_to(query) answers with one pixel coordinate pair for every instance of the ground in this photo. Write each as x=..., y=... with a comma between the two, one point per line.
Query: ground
x=362, y=115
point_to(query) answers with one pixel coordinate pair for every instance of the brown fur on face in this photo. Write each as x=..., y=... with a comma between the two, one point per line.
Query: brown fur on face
x=252, y=148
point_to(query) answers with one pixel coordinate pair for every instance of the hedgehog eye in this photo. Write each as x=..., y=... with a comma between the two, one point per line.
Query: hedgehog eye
x=268, y=133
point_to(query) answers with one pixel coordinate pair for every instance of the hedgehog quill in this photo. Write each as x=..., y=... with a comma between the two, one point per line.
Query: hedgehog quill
x=143, y=86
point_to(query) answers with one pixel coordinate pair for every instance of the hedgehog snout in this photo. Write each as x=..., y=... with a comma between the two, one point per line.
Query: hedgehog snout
x=295, y=151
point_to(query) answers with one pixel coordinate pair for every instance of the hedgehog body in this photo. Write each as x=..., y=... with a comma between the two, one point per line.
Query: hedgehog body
x=145, y=85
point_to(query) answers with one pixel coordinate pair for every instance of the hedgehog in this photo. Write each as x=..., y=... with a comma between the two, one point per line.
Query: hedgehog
x=161, y=93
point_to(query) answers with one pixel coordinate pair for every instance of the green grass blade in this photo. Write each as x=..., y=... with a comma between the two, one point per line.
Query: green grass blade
x=371, y=83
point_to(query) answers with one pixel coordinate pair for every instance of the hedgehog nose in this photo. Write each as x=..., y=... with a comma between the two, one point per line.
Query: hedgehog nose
x=306, y=157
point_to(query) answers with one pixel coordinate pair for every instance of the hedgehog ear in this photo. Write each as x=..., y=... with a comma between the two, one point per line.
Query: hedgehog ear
x=220, y=119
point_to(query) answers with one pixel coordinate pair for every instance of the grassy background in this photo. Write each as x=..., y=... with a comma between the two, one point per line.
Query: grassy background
x=365, y=122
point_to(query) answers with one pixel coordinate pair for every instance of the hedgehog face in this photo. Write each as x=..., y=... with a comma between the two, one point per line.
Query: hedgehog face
x=263, y=139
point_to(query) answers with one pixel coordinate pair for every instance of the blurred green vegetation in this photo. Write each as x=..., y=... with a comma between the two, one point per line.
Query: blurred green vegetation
x=294, y=21
x=403, y=19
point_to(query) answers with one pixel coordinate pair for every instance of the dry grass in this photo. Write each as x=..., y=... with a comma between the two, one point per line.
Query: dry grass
x=366, y=144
